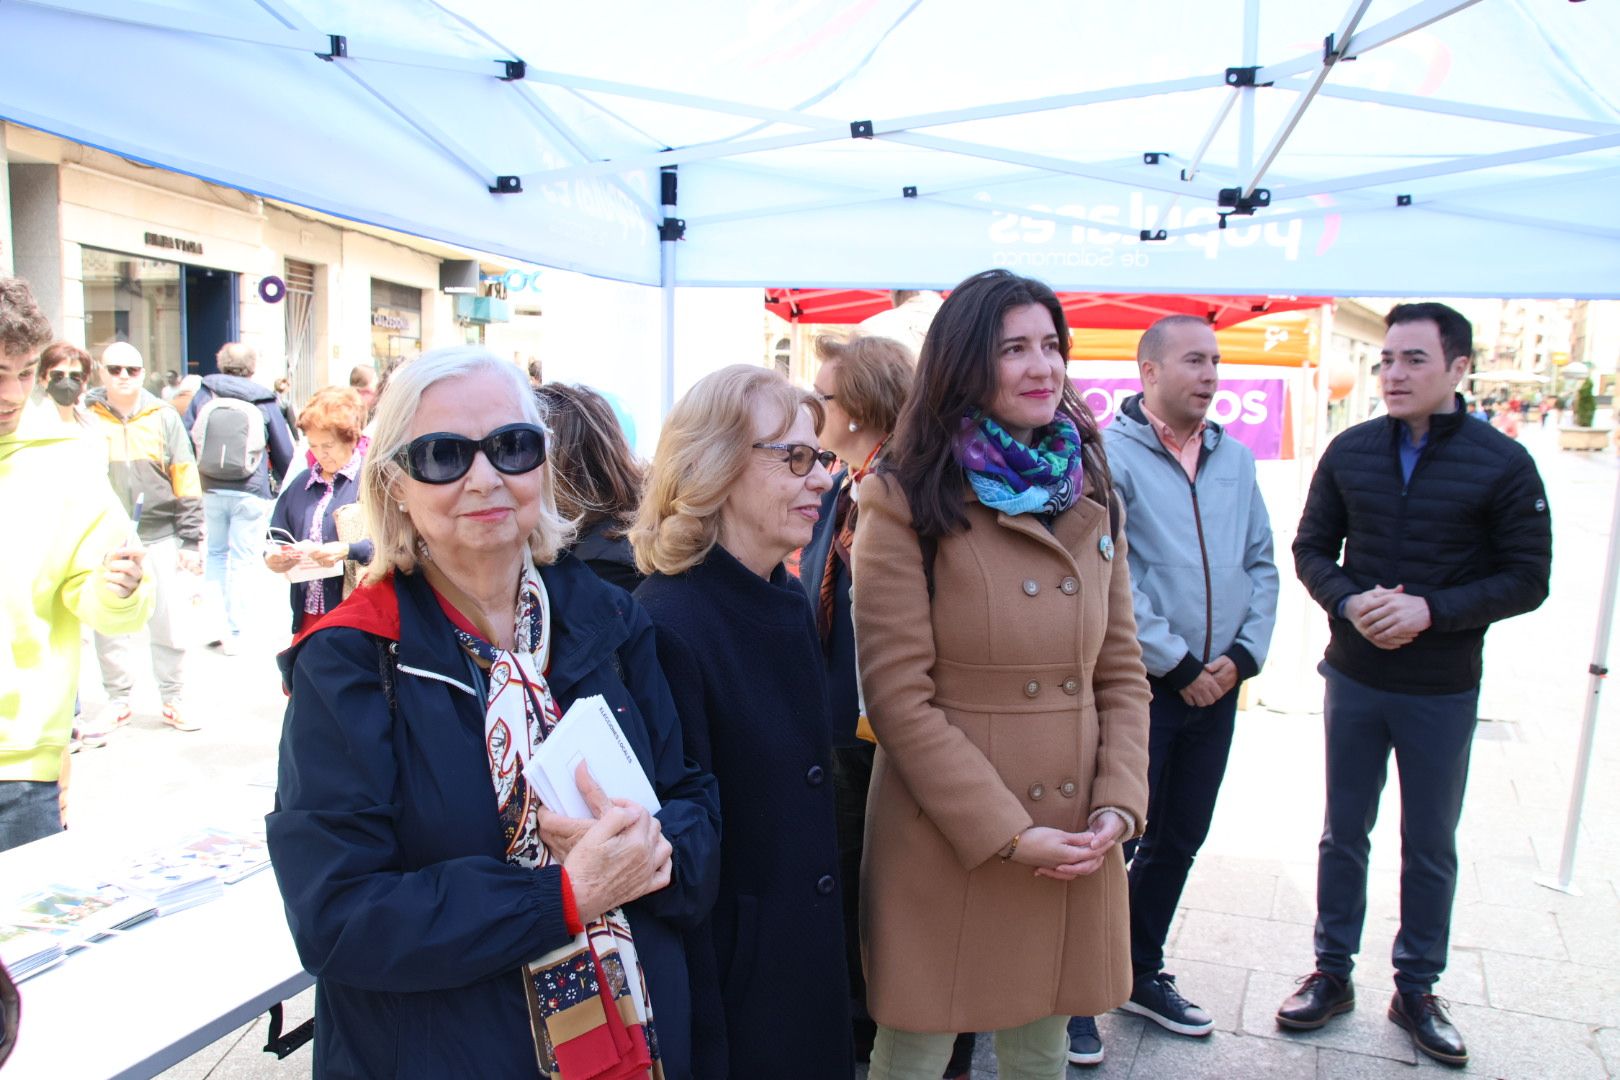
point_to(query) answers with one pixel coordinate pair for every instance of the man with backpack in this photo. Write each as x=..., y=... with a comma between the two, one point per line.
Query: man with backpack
x=244, y=448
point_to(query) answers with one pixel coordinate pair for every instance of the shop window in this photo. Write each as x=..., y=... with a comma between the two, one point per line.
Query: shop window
x=396, y=322
x=138, y=301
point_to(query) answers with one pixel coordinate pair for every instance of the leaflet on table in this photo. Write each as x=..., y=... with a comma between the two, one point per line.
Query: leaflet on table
x=28, y=952
x=588, y=732
x=171, y=880
x=77, y=915
x=232, y=856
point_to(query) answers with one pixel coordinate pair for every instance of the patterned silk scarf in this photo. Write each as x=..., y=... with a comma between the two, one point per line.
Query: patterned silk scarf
x=588, y=1004
x=1014, y=478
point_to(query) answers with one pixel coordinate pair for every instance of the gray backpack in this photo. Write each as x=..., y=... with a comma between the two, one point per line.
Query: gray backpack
x=229, y=436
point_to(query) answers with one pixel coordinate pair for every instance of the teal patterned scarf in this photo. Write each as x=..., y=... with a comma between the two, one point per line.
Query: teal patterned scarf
x=1014, y=478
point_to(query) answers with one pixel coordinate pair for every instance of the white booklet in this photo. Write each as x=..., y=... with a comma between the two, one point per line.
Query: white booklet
x=588, y=732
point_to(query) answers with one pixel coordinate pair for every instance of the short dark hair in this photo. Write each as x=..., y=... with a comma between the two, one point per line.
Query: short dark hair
x=1153, y=338
x=1456, y=332
x=363, y=376
x=60, y=352
x=24, y=329
x=597, y=477
x=956, y=375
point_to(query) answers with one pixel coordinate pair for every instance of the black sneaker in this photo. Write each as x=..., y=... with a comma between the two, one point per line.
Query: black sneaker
x=1085, y=1045
x=1156, y=997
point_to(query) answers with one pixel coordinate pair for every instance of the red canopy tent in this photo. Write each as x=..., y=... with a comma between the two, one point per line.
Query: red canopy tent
x=1116, y=311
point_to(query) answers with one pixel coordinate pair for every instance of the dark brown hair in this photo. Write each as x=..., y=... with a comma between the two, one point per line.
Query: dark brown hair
x=957, y=374
x=60, y=352
x=872, y=377
x=23, y=328
x=597, y=477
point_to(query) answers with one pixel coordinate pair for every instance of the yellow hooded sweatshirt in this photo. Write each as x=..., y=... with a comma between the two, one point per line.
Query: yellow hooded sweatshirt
x=62, y=518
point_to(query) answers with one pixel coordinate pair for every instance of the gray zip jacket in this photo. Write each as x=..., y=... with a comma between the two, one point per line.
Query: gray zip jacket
x=1202, y=576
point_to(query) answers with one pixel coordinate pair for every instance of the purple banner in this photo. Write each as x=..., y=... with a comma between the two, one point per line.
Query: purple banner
x=1251, y=410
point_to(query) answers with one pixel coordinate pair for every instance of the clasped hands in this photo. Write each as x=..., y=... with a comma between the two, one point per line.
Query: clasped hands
x=1064, y=856
x=1212, y=684
x=1389, y=618
x=613, y=857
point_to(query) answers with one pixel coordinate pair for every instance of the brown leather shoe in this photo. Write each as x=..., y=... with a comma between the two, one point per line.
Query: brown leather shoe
x=1320, y=998
x=1424, y=1017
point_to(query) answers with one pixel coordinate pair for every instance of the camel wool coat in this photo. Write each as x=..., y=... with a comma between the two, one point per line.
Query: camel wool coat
x=1016, y=696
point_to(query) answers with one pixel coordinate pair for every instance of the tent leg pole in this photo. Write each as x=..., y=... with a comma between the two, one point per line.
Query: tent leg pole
x=666, y=283
x=1594, y=694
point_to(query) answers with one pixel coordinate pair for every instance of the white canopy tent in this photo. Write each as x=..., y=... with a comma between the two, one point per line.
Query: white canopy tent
x=1325, y=147
x=1472, y=147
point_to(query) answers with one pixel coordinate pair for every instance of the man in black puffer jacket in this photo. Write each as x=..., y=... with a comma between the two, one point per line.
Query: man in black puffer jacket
x=1444, y=529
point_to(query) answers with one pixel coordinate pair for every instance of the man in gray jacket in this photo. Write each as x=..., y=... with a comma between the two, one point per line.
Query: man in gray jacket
x=1205, y=594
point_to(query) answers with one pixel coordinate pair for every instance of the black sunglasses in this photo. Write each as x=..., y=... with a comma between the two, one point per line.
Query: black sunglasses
x=122, y=369
x=56, y=375
x=800, y=457
x=442, y=458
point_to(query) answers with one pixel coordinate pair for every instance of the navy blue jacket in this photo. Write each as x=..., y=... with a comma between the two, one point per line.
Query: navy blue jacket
x=295, y=514
x=278, y=441
x=839, y=649
x=770, y=987
x=1469, y=532
x=389, y=853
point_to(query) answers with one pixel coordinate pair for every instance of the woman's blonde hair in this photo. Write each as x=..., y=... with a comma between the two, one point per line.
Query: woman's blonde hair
x=703, y=451
x=387, y=523
x=872, y=377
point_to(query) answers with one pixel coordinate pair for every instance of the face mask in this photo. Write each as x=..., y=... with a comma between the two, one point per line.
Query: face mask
x=66, y=391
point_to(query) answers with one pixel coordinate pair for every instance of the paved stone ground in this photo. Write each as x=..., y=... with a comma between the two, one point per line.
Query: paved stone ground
x=1534, y=976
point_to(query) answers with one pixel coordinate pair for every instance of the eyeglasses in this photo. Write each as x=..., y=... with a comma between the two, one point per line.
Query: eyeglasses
x=57, y=375
x=800, y=457
x=442, y=458
x=122, y=369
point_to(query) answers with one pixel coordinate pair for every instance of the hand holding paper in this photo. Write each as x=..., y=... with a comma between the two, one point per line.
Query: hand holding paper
x=561, y=832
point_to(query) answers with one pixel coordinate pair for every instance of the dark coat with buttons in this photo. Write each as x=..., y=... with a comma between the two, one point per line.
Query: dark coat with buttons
x=1015, y=697
x=770, y=993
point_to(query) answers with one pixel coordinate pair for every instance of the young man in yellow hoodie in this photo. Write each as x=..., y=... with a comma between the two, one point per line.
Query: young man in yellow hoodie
x=77, y=561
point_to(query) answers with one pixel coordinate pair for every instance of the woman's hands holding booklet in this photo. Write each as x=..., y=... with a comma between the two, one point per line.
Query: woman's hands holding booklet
x=617, y=855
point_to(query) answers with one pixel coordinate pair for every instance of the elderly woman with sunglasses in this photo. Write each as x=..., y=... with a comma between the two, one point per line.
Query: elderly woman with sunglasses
x=735, y=487
x=456, y=926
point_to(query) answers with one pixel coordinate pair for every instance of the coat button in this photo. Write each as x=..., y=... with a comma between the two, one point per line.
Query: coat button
x=1037, y=791
x=825, y=885
x=815, y=776
x=1031, y=586
x=1071, y=685
x=1069, y=586
x=1032, y=689
x=1069, y=788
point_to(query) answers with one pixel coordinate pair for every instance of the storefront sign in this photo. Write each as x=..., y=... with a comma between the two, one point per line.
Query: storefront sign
x=174, y=243
x=1251, y=410
x=383, y=321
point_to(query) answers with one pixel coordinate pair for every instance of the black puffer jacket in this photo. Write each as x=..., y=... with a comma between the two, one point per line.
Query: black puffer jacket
x=1470, y=532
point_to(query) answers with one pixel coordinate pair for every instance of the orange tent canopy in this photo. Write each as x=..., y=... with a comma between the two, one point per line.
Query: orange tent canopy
x=1283, y=340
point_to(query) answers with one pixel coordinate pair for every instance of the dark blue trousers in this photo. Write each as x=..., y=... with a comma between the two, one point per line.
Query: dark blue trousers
x=1432, y=735
x=1187, y=751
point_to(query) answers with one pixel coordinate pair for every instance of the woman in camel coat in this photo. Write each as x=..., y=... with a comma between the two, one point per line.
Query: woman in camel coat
x=1002, y=676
